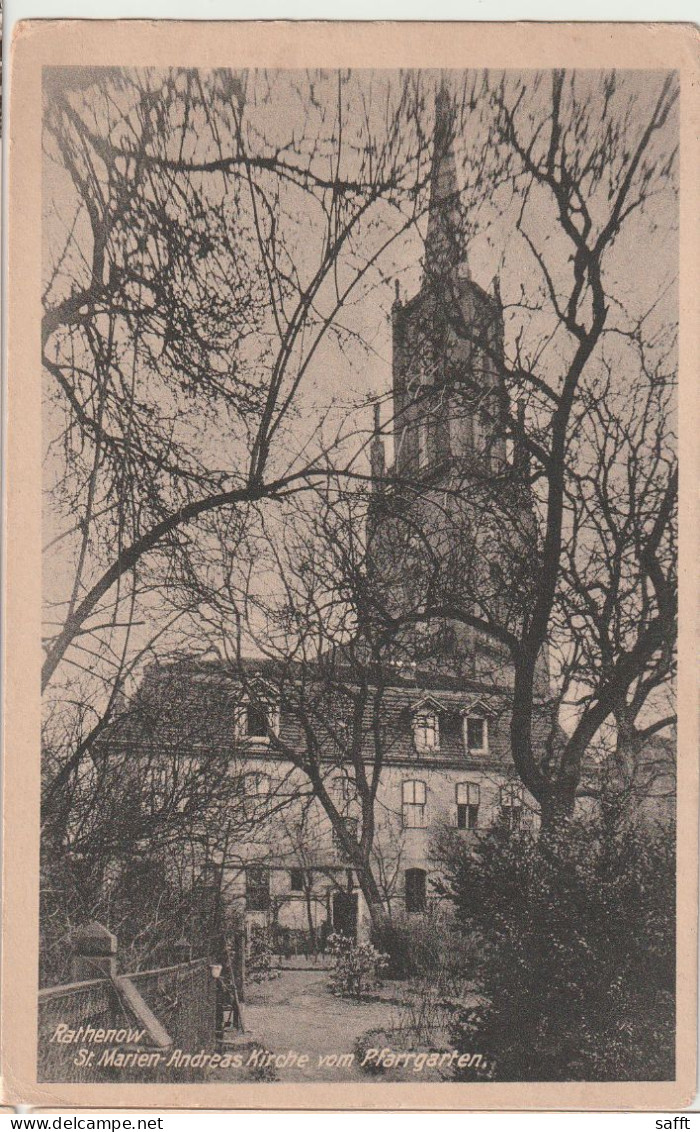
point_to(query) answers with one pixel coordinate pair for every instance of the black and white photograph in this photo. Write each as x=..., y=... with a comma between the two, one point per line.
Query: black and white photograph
x=359, y=532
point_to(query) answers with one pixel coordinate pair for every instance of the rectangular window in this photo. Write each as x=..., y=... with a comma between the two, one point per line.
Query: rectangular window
x=257, y=888
x=476, y=735
x=413, y=804
x=296, y=880
x=426, y=732
x=512, y=804
x=468, y=796
x=160, y=786
x=256, y=783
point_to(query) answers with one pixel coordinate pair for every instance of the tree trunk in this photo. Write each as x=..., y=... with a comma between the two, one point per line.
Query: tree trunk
x=623, y=769
x=556, y=810
x=370, y=890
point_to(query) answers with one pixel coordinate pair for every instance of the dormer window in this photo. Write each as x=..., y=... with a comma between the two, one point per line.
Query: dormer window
x=257, y=724
x=257, y=717
x=426, y=732
x=342, y=734
x=476, y=735
x=475, y=724
x=426, y=727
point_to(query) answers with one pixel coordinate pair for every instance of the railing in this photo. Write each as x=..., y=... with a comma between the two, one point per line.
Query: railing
x=88, y=1028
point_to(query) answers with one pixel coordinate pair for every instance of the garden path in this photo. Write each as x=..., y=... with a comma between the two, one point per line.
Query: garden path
x=298, y=1012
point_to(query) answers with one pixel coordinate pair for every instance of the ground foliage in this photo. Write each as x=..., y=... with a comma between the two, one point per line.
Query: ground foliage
x=357, y=968
x=578, y=966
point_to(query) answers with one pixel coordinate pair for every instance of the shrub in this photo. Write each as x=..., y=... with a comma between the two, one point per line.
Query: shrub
x=578, y=968
x=259, y=955
x=428, y=945
x=398, y=943
x=356, y=967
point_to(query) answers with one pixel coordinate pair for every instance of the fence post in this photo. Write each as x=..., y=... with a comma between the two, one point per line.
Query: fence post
x=94, y=953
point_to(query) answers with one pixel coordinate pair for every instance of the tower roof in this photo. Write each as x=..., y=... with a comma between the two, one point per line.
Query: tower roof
x=444, y=251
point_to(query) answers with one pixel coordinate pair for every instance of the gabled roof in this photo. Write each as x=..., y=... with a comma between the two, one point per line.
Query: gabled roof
x=478, y=706
x=258, y=690
x=426, y=703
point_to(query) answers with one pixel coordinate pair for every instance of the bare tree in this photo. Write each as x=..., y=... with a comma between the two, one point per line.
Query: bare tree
x=307, y=611
x=584, y=166
x=601, y=156
x=151, y=804
x=620, y=568
x=201, y=254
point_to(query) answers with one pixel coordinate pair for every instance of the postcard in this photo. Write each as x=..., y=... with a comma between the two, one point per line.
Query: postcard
x=350, y=724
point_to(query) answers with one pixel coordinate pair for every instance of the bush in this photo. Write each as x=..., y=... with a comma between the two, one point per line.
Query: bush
x=427, y=946
x=578, y=968
x=259, y=956
x=398, y=943
x=357, y=967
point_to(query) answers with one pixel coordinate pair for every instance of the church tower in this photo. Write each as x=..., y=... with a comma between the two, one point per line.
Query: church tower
x=456, y=523
x=449, y=396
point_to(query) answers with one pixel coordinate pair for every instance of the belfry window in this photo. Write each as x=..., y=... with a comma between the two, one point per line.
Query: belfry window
x=296, y=880
x=481, y=433
x=468, y=796
x=413, y=804
x=496, y=576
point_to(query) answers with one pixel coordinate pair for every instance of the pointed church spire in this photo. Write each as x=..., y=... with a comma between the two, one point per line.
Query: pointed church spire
x=443, y=244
